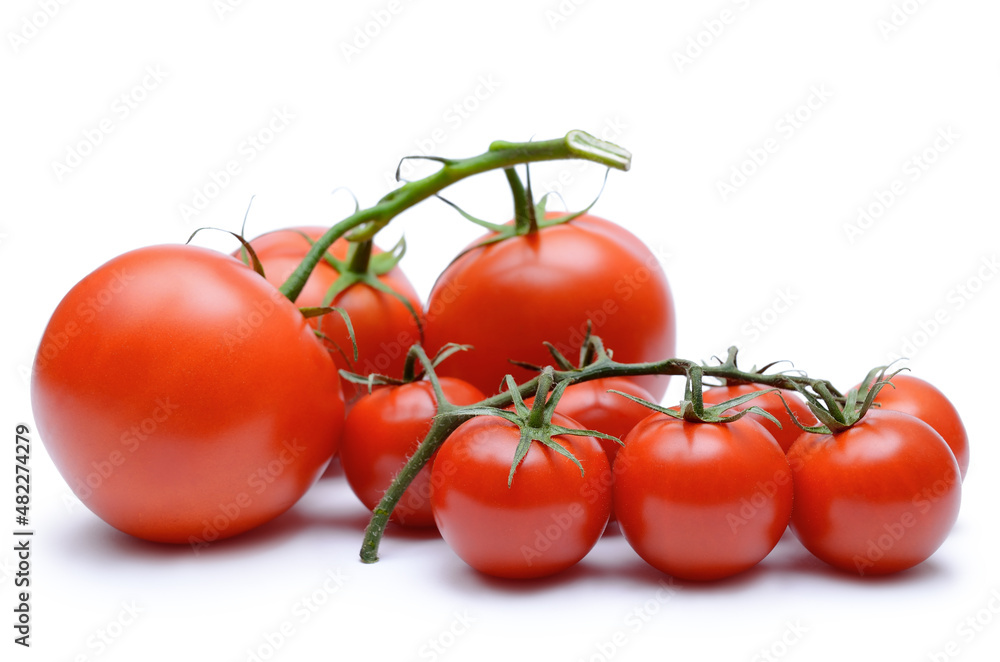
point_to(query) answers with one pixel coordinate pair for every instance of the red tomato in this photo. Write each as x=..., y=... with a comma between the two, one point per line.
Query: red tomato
x=182, y=397
x=876, y=498
x=771, y=403
x=916, y=397
x=701, y=501
x=383, y=430
x=590, y=405
x=507, y=298
x=546, y=521
x=383, y=327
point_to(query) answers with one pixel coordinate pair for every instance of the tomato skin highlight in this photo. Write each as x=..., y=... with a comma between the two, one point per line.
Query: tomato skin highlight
x=191, y=402
x=507, y=298
x=919, y=398
x=772, y=404
x=383, y=327
x=701, y=501
x=545, y=522
x=877, y=498
x=383, y=430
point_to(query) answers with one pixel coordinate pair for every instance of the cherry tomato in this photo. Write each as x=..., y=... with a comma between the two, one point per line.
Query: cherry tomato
x=592, y=406
x=182, y=397
x=772, y=404
x=916, y=397
x=383, y=327
x=701, y=501
x=544, y=522
x=876, y=498
x=507, y=298
x=383, y=430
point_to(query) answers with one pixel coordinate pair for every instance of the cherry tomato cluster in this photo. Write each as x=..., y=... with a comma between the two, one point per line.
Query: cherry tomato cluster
x=188, y=396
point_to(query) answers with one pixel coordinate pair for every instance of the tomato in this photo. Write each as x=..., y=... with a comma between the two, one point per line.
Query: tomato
x=592, y=406
x=876, y=498
x=701, y=501
x=772, y=404
x=182, y=397
x=507, y=298
x=916, y=397
x=383, y=430
x=383, y=327
x=544, y=522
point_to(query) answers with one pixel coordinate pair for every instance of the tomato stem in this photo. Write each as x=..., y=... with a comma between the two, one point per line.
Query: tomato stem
x=525, y=219
x=367, y=222
x=359, y=255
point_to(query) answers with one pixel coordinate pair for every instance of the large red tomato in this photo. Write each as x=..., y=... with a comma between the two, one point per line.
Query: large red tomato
x=507, y=298
x=772, y=404
x=701, y=501
x=912, y=395
x=876, y=498
x=544, y=522
x=381, y=433
x=182, y=397
x=383, y=327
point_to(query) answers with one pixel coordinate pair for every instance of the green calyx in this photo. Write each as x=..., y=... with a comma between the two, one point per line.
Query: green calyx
x=413, y=368
x=836, y=417
x=535, y=422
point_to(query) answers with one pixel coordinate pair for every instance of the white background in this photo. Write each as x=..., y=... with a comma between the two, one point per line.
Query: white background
x=880, y=93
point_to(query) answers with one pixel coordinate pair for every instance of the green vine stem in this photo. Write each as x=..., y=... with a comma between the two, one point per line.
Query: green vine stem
x=450, y=416
x=501, y=155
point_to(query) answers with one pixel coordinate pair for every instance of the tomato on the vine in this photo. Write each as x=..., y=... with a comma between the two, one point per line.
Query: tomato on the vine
x=701, y=501
x=506, y=299
x=182, y=397
x=876, y=498
x=914, y=396
x=544, y=522
x=772, y=403
x=382, y=431
x=383, y=326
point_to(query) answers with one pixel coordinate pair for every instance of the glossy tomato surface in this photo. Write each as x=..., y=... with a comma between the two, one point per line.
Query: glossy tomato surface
x=701, y=501
x=545, y=522
x=507, y=298
x=383, y=326
x=914, y=396
x=381, y=433
x=595, y=408
x=772, y=403
x=182, y=398
x=877, y=498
